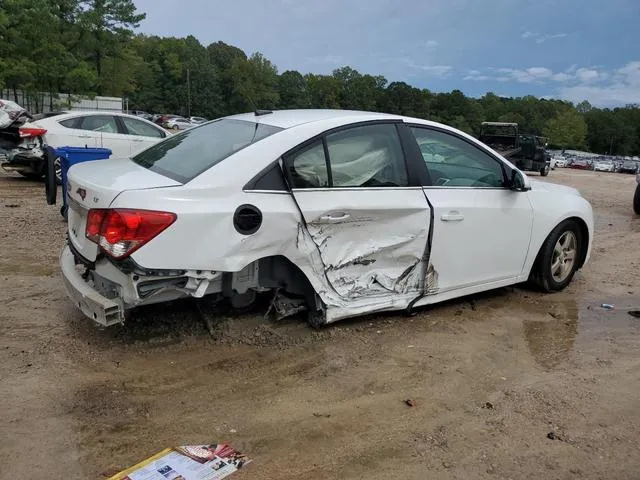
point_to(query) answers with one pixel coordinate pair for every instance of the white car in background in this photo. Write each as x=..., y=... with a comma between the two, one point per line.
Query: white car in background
x=125, y=135
x=197, y=120
x=343, y=213
x=179, y=123
x=558, y=161
x=604, y=166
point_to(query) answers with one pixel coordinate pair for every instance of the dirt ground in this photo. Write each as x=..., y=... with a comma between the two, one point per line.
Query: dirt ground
x=492, y=376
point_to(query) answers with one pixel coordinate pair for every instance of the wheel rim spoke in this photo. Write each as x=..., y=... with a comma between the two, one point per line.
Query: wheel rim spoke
x=564, y=256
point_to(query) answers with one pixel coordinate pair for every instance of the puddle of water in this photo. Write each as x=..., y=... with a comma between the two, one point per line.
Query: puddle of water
x=553, y=337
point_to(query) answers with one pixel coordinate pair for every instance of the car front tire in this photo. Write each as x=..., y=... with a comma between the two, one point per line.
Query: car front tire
x=558, y=258
x=544, y=171
x=636, y=200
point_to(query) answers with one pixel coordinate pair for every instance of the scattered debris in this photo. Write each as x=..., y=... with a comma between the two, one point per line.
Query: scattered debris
x=202, y=462
x=446, y=464
x=322, y=415
x=634, y=313
x=410, y=402
x=553, y=436
x=608, y=306
x=282, y=306
x=488, y=405
x=11, y=205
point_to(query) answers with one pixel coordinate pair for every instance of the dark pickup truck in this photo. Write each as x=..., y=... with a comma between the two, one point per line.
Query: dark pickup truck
x=527, y=152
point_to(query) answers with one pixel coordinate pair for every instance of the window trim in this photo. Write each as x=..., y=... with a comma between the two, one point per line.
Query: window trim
x=121, y=122
x=501, y=163
x=75, y=122
x=412, y=181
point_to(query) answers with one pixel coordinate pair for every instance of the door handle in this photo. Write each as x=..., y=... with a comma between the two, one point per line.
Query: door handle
x=85, y=136
x=452, y=217
x=137, y=140
x=334, y=217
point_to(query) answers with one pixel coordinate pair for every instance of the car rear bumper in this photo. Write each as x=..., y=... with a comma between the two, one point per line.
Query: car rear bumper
x=102, y=310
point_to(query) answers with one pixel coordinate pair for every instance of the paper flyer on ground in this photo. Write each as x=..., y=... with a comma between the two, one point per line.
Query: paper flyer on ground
x=196, y=462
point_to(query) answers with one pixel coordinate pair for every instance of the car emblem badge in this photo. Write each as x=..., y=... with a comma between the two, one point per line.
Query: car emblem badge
x=82, y=192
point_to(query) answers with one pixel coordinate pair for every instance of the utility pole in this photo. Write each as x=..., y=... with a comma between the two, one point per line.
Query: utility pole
x=188, y=92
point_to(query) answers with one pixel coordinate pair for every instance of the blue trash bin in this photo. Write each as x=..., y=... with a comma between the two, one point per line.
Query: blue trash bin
x=69, y=156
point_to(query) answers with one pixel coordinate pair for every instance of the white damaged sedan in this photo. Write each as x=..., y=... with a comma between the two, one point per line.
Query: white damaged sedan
x=341, y=213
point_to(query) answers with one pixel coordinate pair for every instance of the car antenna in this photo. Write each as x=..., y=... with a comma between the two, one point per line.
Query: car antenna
x=257, y=111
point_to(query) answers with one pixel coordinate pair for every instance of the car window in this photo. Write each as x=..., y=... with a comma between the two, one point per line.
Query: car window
x=99, y=123
x=186, y=155
x=454, y=162
x=367, y=156
x=71, y=122
x=137, y=127
x=308, y=167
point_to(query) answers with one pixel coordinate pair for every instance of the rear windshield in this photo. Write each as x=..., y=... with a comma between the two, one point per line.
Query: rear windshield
x=184, y=156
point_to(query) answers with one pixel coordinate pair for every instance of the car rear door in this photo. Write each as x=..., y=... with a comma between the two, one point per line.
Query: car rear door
x=140, y=134
x=481, y=229
x=367, y=215
x=106, y=133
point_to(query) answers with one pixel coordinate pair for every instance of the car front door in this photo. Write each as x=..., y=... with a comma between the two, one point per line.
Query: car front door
x=140, y=134
x=106, y=133
x=481, y=228
x=367, y=216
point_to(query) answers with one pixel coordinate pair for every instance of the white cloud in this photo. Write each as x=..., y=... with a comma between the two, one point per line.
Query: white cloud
x=587, y=75
x=477, y=78
x=528, y=75
x=561, y=77
x=440, y=71
x=544, y=38
x=623, y=89
x=474, y=72
x=431, y=44
x=437, y=70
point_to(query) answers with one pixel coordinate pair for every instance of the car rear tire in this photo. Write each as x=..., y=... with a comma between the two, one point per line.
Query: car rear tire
x=636, y=200
x=57, y=166
x=558, y=258
x=50, y=184
x=544, y=171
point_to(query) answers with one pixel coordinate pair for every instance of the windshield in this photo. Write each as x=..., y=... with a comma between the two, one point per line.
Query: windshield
x=184, y=156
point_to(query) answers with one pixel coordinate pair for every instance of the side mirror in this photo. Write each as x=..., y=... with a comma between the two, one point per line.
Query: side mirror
x=519, y=182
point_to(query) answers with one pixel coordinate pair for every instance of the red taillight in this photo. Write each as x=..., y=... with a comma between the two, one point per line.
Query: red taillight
x=121, y=231
x=27, y=132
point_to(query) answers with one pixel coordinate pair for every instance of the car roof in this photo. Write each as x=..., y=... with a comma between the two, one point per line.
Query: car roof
x=78, y=113
x=292, y=118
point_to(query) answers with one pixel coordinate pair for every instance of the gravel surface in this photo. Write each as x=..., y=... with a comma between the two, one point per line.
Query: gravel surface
x=508, y=384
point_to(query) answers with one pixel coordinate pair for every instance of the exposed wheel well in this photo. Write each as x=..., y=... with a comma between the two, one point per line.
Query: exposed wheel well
x=280, y=272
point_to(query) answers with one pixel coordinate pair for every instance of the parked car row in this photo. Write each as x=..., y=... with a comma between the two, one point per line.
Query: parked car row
x=23, y=138
x=598, y=164
x=170, y=121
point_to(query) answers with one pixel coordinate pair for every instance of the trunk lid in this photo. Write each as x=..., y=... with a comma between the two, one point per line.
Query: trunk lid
x=96, y=184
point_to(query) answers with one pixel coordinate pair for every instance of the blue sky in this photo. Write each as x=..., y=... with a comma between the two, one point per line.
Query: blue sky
x=569, y=49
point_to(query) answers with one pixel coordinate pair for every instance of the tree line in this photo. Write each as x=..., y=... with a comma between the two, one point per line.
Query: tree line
x=90, y=47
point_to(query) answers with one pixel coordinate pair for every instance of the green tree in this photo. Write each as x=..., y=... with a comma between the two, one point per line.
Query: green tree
x=293, y=90
x=568, y=129
x=107, y=26
x=256, y=82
